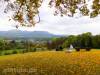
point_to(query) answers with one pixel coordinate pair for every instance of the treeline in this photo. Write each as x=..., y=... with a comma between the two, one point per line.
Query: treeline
x=82, y=41
x=8, y=47
x=11, y=44
x=26, y=45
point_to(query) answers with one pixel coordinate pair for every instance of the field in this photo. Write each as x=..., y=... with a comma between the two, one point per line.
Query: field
x=51, y=63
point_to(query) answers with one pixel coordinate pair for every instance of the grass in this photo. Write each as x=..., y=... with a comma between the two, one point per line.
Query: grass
x=51, y=63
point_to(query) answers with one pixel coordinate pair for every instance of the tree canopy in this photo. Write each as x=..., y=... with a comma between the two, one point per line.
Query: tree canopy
x=26, y=10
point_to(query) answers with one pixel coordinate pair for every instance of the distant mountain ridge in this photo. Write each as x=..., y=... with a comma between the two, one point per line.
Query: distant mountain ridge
x=27, y=34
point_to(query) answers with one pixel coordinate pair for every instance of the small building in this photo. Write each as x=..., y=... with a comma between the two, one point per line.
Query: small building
x=70, y=49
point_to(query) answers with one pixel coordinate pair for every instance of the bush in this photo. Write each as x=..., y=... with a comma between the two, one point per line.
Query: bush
x=57, y=49
x=34, y=50
x=24, y=51
x=14, y=52
x=0, y=53
x=7, y=53
x=77, y=49
x=60, y=48
x=88, y=49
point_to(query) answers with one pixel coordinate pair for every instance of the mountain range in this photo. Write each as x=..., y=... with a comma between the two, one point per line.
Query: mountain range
x=27, y=34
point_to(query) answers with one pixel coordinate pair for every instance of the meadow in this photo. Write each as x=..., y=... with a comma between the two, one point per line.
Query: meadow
x=51, y=63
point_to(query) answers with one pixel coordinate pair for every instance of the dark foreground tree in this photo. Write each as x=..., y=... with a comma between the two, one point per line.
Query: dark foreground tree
x=24, y=11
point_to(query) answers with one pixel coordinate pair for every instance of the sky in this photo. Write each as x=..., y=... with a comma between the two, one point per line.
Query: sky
x=54, y=24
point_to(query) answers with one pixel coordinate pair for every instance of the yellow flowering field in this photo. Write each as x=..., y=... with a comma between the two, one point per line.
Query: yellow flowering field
x=51, y=63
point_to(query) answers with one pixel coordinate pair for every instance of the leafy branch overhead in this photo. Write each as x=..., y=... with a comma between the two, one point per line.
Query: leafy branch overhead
x=26, y=10
x=70, y=7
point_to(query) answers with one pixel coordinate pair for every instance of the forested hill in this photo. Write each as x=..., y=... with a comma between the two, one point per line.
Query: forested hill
x=27, y=34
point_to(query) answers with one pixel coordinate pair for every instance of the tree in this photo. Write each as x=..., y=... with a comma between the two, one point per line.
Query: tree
x=83, y=41
x=56, y=43
x=70, y=40
x=96, y=41
x=26, y=10
x=13, y=44
x=70, y=6
x=1, y=45
x=87, y=40
x=78, y=43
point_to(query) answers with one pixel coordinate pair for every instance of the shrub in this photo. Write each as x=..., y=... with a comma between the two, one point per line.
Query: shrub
x=7, y=53
x=24, y=51
x=77, y=49
x=0, y=53
x=34, y=50
x=88, y=49
x=60, y=48
x=14, y=52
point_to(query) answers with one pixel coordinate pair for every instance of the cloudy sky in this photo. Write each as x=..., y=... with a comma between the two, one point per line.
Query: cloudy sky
x=55, y=24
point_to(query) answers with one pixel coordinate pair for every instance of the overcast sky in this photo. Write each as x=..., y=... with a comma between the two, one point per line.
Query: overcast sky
x=55, y=24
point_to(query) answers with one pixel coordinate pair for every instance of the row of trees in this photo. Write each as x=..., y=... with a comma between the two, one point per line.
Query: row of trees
x=12, y=44
x=8, y=47
x=19, y=44
x=83, y=41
